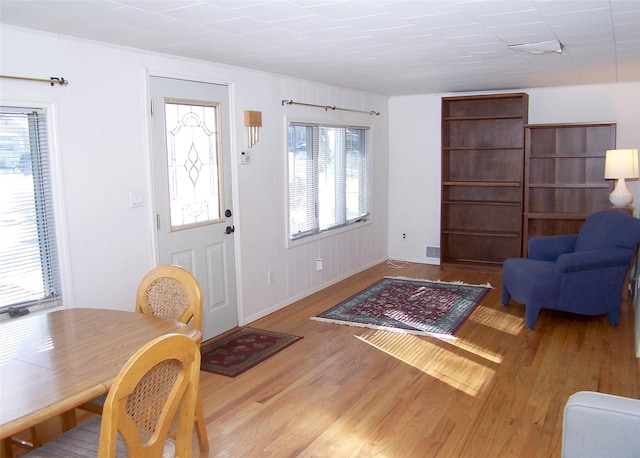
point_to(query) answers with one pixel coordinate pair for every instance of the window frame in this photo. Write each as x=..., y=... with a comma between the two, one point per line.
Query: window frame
x=57, y=202
x=317, y=233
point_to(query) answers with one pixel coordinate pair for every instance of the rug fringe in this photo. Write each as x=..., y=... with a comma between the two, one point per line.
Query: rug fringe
x=386, y=328
x=458, y=282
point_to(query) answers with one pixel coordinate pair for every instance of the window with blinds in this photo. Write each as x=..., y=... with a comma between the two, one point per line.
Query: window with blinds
x=328, y=177
x=29, y=275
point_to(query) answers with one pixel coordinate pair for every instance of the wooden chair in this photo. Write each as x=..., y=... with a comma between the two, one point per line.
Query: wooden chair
x=160, y=379
x=170, y=291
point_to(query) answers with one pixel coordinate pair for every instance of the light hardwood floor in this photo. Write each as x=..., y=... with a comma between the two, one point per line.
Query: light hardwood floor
x=498, y=390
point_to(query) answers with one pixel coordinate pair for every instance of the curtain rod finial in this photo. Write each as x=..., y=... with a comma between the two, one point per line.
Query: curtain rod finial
x=61, y=81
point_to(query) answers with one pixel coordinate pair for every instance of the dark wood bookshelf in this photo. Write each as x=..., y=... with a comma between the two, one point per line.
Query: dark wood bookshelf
x=564, y=176
x=482, y=180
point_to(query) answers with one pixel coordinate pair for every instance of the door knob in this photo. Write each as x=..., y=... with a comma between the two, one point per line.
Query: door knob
x=230, y=229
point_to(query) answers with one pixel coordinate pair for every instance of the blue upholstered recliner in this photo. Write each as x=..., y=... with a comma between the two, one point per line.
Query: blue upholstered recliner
x=581, y=273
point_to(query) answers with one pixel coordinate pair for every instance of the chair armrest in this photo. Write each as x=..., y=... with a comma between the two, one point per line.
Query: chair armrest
x=597, y=425
x=550, y=247
x=595, y=259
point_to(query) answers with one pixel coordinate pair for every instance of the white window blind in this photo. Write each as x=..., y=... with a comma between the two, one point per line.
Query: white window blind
x=29, y=274
x=328, y=177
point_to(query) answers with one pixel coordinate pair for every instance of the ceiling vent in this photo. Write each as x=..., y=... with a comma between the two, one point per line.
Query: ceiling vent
x=542, y=47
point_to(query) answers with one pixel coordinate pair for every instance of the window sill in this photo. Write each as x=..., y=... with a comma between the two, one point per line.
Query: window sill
x=328, y=233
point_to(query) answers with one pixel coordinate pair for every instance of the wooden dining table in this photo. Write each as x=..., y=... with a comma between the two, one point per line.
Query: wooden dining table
x=53, y=362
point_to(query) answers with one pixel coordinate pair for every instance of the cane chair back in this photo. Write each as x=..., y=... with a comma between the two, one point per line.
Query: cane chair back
x=171, y=292
x=159, y=380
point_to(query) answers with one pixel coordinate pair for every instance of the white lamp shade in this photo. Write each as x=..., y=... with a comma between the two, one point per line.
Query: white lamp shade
x=621, y=163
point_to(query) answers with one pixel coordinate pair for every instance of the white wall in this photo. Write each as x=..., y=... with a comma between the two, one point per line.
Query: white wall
x=414, y=176
x=102, y=145
x=414, y=158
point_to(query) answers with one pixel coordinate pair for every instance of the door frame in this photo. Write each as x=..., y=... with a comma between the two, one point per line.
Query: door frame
x=233, y=144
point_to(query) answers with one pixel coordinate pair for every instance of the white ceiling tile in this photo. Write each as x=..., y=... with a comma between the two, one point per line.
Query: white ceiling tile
x=77, y=7
x=519, y=18
x=171, y=27
x=473, y=39
x=551, y=7
x=157, y=6
x=395, y=34
x=217, y=39
x=237, y=25
x=443, y=21
x=583, y=19
x=132, y=17
x=455, y=32
x=487, y=51
x=48, y=19
x=308, y=24
x=348, y=9
x=273, y=12
x=628, y=32
x=420, y=8
x=274, y=35
x=375, y=22
x=484, y=8
x=197, y=13
x=524, y=33
x=626, y=7
x=239, y=5
x=382, y=46
x=337, y=34
x=122, y=34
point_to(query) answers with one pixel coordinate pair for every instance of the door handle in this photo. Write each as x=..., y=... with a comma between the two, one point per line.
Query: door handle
x=230, y=229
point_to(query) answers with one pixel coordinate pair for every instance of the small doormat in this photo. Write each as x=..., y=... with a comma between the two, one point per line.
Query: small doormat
x=242, y=350
x=408, y=305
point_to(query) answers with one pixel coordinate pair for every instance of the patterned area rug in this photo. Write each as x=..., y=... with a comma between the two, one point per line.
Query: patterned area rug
x=242, y=350
x=408, y=305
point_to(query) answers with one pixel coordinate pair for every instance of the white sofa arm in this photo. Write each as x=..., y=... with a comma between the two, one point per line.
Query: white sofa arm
x=601, y=425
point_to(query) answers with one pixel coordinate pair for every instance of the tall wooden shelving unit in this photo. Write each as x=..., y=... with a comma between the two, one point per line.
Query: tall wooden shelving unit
x=564, y=176
x=482, y=180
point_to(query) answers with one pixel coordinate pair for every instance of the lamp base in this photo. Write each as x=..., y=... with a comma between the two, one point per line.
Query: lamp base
x=621, y=196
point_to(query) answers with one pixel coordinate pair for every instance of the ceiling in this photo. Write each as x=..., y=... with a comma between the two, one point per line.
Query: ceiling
x=390, y=47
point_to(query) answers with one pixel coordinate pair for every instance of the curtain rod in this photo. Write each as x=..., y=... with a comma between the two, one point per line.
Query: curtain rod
x=329, y=107
x=53, y=80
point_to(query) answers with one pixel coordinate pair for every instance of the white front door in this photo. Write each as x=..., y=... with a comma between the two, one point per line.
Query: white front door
x=192, y=181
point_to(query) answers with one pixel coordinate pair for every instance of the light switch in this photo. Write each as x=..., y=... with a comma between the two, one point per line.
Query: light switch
x=136, y=198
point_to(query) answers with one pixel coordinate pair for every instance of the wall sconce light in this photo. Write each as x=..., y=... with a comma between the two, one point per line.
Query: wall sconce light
x=253, y=122
x=620, y=164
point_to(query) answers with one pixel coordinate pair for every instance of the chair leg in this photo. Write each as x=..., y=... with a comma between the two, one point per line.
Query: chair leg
x=614, y=317
x=506, y=297
x=531, y=315
x=201, y=426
